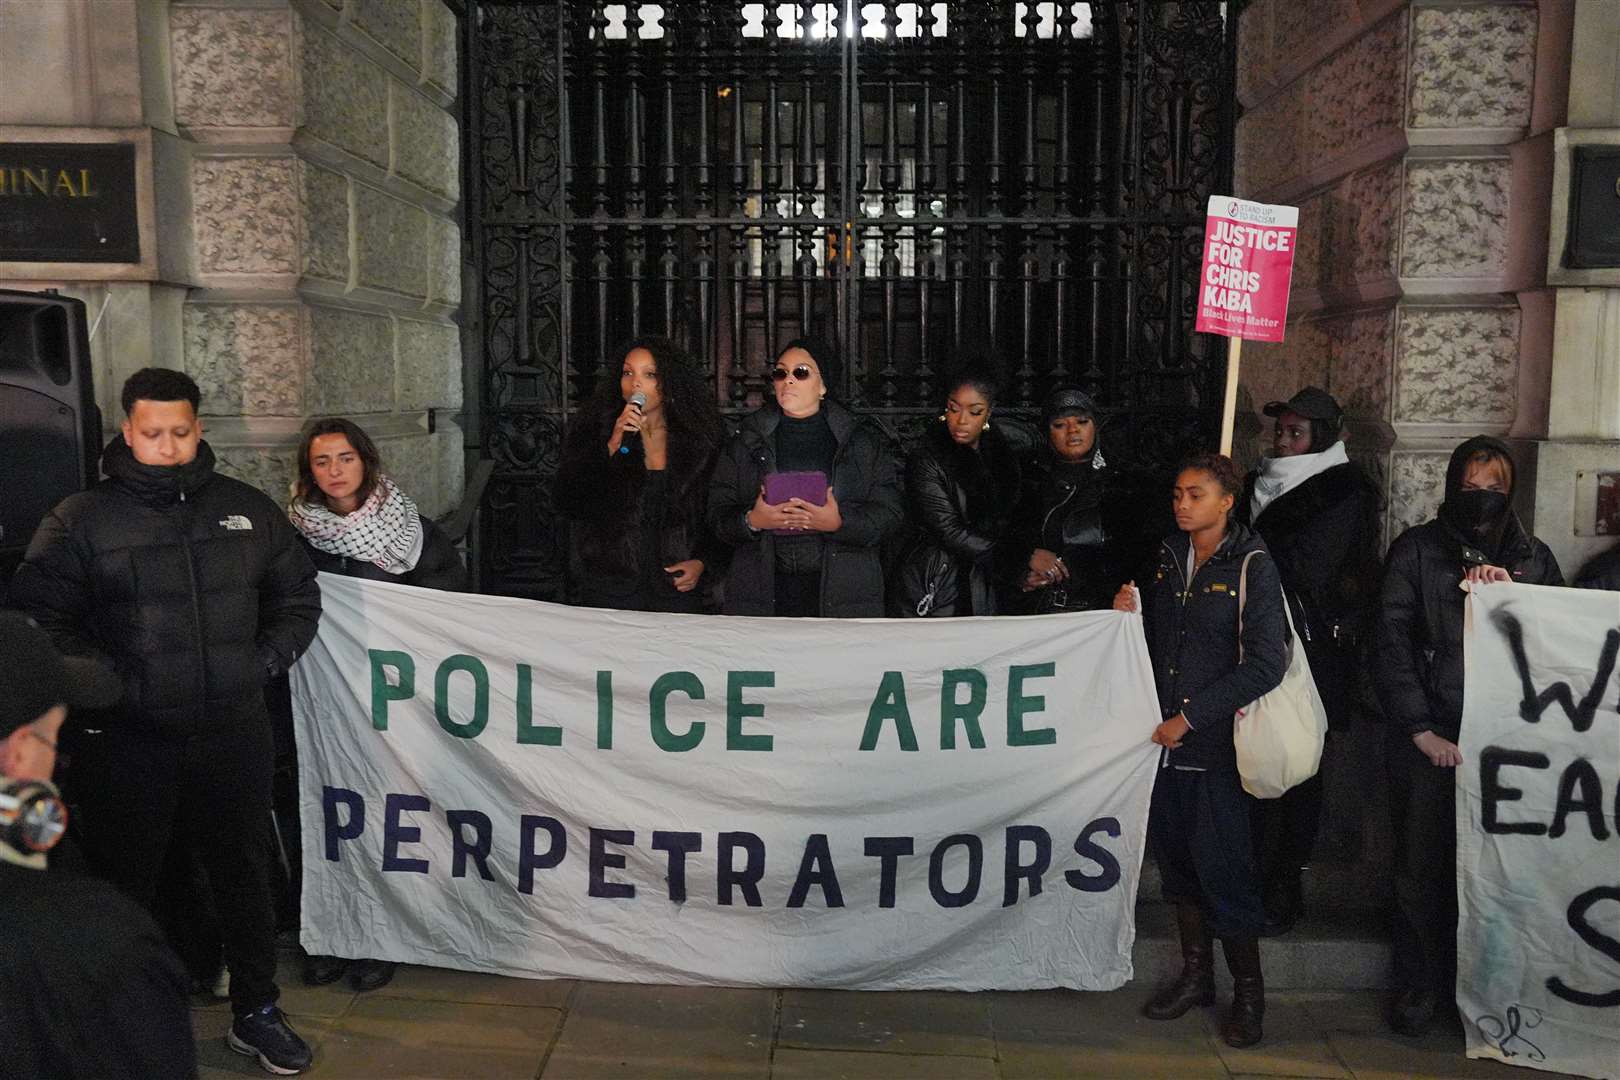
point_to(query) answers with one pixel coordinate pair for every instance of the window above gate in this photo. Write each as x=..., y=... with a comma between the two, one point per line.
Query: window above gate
x=820, y=21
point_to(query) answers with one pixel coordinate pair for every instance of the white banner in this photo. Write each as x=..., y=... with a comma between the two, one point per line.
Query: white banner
x=1538, y=853
x=536, y=790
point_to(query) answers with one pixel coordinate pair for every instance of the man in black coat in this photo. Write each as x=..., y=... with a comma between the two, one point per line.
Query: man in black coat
x=193, y=587
x=88, y=988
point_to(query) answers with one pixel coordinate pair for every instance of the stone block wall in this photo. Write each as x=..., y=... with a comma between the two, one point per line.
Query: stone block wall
x=1408, y=135
x=313, y=186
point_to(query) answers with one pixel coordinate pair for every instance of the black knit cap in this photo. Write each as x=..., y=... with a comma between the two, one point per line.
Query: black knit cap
x=825, y=356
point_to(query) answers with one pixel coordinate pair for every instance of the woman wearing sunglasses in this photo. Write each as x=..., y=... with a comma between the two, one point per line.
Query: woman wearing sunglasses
x=634, y=481
x=961, y=486
x=811, y=549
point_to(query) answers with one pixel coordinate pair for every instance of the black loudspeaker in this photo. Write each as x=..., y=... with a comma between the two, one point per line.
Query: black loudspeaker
x=50, y=428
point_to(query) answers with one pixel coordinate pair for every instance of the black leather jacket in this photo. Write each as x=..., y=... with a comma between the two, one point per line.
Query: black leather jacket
x=959, y=501
x=1073, y=512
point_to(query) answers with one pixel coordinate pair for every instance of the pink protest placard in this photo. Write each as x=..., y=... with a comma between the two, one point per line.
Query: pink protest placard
x=1248, y=267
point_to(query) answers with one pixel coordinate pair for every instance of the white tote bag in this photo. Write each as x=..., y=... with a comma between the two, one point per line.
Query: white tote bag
x=1279, y=735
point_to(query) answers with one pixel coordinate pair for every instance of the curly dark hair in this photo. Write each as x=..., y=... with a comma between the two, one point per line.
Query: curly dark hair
x=305, y=489
x=1219, y=466
x=688, y=402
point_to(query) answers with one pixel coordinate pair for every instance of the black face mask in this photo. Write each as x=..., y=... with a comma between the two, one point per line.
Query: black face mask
x=1477, y=509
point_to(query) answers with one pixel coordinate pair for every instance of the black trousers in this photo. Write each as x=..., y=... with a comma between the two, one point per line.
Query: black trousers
x=1284, y=834
x=134, y=792
x=1199, y=828
x=1423, y=811
x=798, y=596
x=185, y=903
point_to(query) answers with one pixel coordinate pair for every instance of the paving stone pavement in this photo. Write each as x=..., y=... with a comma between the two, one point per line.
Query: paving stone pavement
x=438, y=1025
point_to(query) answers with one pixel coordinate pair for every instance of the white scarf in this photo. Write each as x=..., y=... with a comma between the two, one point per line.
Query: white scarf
x=385, y=530
x=1277, y=476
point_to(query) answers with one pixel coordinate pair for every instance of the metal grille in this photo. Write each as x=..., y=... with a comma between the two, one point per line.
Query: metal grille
x=919, y=183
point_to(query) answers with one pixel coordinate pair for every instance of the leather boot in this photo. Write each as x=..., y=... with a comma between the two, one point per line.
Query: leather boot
x=1242, y=1025
x=368, y=975
x=1196, y=984
x=321, y=970
x=1285, y=903
x=1415, y=1011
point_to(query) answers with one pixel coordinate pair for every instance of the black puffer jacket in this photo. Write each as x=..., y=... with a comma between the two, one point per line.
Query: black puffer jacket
x=1192, y=636
x=439, y=567
x=959, y=501
x=1417, y=664
x=866, y=483
x=191, y=585
x=1324, y=535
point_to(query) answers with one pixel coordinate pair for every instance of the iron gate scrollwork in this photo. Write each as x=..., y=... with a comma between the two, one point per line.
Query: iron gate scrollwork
x=919, y=183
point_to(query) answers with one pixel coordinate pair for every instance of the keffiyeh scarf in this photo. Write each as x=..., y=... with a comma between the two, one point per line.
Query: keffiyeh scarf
x=385, y=530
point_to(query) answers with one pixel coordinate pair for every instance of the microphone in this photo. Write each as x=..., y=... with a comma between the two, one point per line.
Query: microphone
x=632, y=439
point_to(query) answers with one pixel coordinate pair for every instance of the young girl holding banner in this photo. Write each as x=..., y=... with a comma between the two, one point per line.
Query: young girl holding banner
x=1210, y=659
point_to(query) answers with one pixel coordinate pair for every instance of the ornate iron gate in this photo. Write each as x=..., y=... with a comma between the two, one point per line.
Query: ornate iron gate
x=918, y=183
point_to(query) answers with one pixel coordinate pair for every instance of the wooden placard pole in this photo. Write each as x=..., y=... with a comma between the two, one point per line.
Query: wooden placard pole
x=1234, y=346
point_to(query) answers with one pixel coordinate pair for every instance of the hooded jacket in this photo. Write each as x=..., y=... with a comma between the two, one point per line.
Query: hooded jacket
x=1200, y=668
x=959, y=501
x=866, y=483
x=1417, y=662
x=192, y=586
x=1324, y=535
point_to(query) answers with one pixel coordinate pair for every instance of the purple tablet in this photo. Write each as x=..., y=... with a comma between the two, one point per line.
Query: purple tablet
x=782, y=486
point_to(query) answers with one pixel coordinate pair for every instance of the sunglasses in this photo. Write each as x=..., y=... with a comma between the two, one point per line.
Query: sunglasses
x=801, y=373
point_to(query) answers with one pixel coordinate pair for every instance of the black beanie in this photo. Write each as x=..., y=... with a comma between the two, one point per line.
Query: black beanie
x=826, y=358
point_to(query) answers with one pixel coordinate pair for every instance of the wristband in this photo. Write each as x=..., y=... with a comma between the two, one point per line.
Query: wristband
x=749, y=525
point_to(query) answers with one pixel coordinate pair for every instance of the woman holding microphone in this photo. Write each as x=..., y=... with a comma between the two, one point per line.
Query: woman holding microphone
x=634, y=482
